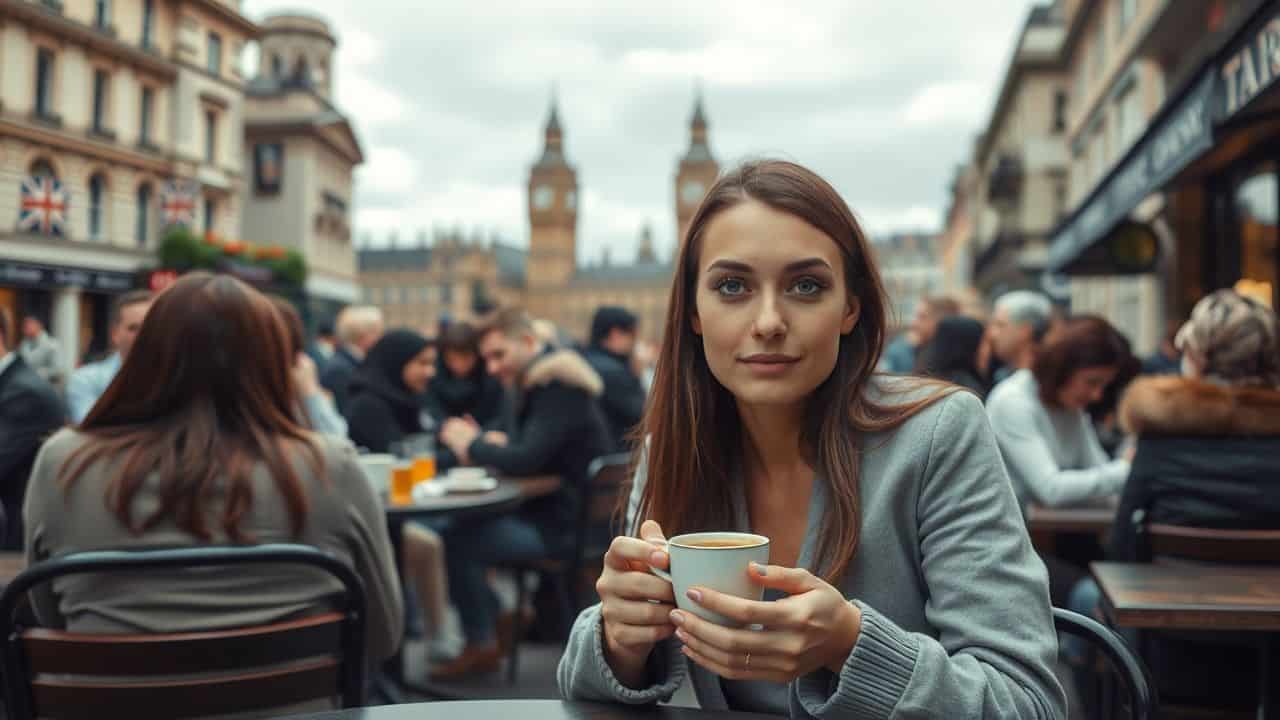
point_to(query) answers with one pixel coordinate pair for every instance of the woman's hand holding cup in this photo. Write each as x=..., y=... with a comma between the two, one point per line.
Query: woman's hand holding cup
x=635, y=605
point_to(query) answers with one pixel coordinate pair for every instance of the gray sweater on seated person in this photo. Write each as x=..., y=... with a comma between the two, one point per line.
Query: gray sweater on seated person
x=956, y=619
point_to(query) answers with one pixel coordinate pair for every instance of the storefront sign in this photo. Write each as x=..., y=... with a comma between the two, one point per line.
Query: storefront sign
x=1253, y=68
x=47, y=276
x=1178, y=139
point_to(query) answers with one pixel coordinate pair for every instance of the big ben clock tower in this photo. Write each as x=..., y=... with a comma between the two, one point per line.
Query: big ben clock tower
x=553, y=212
x=698, y=170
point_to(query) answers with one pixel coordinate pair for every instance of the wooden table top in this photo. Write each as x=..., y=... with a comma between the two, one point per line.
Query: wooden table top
x=527, y=710
x=510, y=491
x=1091, y=518
x=1189, y=596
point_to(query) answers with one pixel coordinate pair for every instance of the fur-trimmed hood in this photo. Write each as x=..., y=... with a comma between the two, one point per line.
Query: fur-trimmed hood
x=567, y=367
x=1171, y=405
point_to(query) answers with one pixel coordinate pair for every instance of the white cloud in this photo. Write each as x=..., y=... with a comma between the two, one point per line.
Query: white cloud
x=956, y=103
x=386, y=171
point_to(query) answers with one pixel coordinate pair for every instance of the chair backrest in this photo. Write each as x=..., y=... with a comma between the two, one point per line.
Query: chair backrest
x=1237, y=547
x=52, y=673
x=597, y=520
x=1142, y=694
x=1220, y=545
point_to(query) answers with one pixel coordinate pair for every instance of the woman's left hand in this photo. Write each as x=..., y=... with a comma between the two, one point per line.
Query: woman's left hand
x=814, y=627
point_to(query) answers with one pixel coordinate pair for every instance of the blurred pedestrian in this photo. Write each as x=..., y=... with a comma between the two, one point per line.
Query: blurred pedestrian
x=317, y=408
x=41, y=352
x=461, y=386
x=194, y=444
x=385, y=402
x=89, y=382
x=324, y=345
x=359, y=328
x=952, y=354
x=556, y=429
x=30, y=411
x=900, y=355
x=611, y=354
x=1020, y=322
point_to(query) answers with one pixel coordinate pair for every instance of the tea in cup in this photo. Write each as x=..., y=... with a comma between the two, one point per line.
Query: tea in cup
x=717, y=561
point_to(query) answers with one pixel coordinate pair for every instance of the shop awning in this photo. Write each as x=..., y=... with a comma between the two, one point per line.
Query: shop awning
x=1177, y=137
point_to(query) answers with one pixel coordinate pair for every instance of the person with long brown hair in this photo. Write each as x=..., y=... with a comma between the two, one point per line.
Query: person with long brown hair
x=197, y=441
x=317, y=408
x=901, y=578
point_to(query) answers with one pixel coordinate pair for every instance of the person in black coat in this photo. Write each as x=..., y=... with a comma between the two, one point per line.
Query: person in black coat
x=613, y=340
x=30, y=411
x=1208, y=449
x=952, y=354
x=462, y=387
x=556, y=428
x=385, y=393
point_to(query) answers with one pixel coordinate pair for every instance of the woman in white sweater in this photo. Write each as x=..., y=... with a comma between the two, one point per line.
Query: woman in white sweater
x=1040, y=419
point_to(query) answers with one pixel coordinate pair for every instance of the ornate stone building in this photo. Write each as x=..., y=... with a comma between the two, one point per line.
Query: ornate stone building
x=548, y=281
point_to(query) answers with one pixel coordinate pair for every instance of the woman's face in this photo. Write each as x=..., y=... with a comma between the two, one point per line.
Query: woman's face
x=419, y=370
x=1085, y=387
x=770, y=304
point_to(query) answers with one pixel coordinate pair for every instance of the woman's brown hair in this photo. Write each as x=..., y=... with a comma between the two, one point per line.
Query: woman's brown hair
x=1081, y=342
x=204, y=396
x=691, y=426
x=294, y=330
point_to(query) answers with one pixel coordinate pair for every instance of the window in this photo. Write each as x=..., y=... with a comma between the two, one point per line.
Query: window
x=97, y=196
x=144, y=128
x=1097, y=153
x=1128, y=117
x=424, y=294
x=1059, y=111
x=148, y=19
x=42, y=168
x=210, y=213
x=277, y=66
x=1098, y=49
x=446, y=293
x=210, y=136
x=102, y=14
x=404, y=295
x=142, y=220
x=215, y=53
x=44, y=82
x=100, y=87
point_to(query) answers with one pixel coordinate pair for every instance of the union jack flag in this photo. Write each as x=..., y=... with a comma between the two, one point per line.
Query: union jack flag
x=43, y=206
x=178, y=206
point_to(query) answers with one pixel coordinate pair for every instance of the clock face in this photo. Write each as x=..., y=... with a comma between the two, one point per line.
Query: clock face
x=571, y=200
x=543, y=196
x=691, y=192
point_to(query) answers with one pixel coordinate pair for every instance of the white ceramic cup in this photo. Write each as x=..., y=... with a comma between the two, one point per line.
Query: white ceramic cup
x=377, y=468
x=722, y=568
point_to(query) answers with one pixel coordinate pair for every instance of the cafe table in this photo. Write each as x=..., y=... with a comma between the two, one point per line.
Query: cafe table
x=528, y=710
x=1044, y=524
x=507, y=497
x=1180, y=595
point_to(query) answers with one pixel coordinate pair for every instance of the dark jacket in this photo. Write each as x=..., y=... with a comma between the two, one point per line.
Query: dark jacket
x=556, y=429
x=952, y=354
x=1207, y=456
x=381, y=410
x=30, y=411
x=623, y=399
x=478, y=394
x=337, y=374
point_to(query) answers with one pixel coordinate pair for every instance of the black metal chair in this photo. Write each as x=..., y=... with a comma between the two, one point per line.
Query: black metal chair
x=598, y=498
x=54, y=673
x=1133, y=675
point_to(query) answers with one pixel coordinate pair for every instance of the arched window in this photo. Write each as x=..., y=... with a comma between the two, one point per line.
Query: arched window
x=277, y=66
x=302, y=73
x=97, y=206
x=142, y=223
x=42, y=168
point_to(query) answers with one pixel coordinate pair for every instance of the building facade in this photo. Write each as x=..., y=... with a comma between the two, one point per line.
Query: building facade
x=911, y=269
x=1175, y=154
x=299, y=153
x=546, y=278
x=113, y=116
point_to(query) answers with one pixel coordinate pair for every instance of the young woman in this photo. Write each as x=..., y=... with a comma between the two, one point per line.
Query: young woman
x=318, y=409
x=901, y=580
x=196, y=442
x=1040, y=419
x=386, y=393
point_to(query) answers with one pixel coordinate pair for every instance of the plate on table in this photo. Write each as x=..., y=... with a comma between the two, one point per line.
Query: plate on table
x=469, y=484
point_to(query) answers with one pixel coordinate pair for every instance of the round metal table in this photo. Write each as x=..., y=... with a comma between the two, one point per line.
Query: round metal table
x=528, y=710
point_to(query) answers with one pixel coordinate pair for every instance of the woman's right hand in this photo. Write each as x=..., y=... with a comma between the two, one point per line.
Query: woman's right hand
x=635, y=604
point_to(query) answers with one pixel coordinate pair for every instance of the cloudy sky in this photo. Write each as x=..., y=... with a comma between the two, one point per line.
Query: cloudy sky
x=449, y=100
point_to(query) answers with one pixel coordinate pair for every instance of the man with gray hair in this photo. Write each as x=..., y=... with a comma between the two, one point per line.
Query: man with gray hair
x=1021, y=320
x=359, y=328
